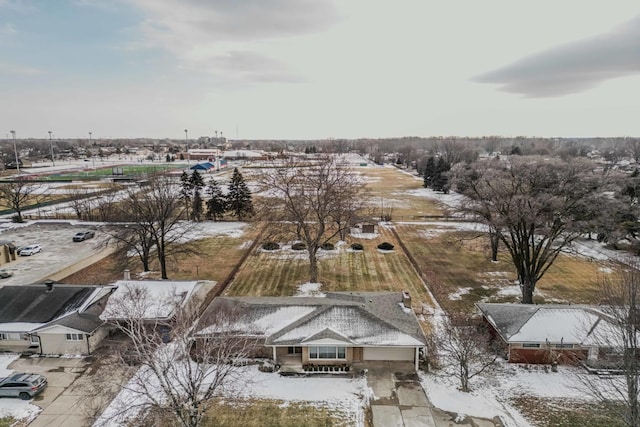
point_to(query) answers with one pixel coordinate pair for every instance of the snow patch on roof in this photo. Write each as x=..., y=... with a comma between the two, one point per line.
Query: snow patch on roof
x=310, y=290
x=556, y=325
x=160, y=298
x=19, y=326
x=349, y=322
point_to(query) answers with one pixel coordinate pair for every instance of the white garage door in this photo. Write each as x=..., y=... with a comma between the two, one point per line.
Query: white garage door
x=388, y=353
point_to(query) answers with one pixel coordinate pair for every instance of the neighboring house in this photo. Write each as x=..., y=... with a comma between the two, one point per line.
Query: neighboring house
x=152, y=300
x=551, y=333
x=341, y=328
x=51, y=318
x=7, y=252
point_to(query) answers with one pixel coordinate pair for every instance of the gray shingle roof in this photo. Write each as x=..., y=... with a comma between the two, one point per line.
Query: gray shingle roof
x=361, y=317
x=34, y=304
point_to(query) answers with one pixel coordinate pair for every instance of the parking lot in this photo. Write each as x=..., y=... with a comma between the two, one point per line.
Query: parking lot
x=59, y=251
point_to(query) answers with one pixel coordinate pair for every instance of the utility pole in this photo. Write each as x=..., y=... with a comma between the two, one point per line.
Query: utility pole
x=186, y=140
x=53, y=162
x=15, y=150
x=93, y=157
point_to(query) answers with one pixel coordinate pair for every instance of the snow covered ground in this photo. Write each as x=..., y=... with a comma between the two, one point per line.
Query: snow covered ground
x=491, y=393
x=349, y=396
x=16, y=408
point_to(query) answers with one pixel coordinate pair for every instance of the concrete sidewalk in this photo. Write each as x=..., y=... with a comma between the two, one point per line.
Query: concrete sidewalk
x=401, y=401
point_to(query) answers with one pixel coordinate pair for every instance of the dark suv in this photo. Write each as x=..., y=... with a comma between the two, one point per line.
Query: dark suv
x=22, y=385
x=83, y=235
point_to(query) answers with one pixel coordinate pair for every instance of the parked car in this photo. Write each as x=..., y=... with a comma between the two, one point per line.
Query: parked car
x=30, y=250
x=83, y=235
x=5, y=273
x=22, y=385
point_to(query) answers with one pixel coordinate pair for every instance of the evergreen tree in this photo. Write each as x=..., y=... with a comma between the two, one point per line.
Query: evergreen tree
x=440, y=181
x=185, y=190
x=239, y=198
x=429, y=171
x=194, y=187
x=167, y=158
x=216, y=205
x=196, y=206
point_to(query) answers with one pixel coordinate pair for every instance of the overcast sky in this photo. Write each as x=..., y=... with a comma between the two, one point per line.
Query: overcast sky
x=307, y=69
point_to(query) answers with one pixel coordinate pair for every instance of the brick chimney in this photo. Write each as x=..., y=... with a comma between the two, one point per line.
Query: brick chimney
x=49, y=284
x=127, y=275
x=406, y=299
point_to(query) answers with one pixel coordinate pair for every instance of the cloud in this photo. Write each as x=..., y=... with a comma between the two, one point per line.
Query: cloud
x=20, y=70
x=223, y=36
x=573, y=67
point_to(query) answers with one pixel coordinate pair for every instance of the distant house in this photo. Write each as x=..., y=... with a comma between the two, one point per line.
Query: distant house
x=7, y=252
x=51, y=318
x=341, y=328
x=548, y=333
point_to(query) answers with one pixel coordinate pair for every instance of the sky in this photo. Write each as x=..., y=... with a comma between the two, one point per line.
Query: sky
x=318, y=69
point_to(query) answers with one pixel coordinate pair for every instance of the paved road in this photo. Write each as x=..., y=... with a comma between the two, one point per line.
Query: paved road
x=400, y=400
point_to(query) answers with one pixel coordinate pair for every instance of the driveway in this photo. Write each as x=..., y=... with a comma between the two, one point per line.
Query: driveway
x=400, y=400
x=59, y=408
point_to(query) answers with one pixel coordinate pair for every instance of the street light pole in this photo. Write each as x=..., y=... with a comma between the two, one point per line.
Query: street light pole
x=93, y=157
x=186, y=140
x=53, y=162
x=13, y=134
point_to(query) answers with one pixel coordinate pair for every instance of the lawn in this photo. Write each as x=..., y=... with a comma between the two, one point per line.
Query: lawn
x=459, y=272
x=210, y=258
x=281, y=272
x=262, y=412
x=390, y=190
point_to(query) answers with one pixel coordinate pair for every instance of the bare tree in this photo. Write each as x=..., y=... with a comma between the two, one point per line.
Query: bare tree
x=17, y=194
x=464, y=347
x=177, y=380
x=619, y=336
x=535, y=206
x=316, y=199
x=156, y=209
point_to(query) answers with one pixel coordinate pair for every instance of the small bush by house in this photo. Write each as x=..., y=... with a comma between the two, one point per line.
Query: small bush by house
x=357, y=246
x=299, y=246
x=385, y=246
x=270, y=246
x=327, y=246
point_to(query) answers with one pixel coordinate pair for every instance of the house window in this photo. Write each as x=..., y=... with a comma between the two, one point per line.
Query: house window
x=327, y=352
x=34, y=339
x=563, y=346
x=530, y=345
x=294, y=350
x=10, y=336
x=74, y=337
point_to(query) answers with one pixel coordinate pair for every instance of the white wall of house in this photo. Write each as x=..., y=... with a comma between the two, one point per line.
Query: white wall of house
x=63, y=340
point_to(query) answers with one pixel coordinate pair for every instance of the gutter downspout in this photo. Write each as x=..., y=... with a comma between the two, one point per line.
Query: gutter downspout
x=88, y=347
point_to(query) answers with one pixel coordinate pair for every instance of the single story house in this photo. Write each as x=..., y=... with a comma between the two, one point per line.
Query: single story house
x=340, y=328
x=51, y=318
x=152, y=300
x=551, y=333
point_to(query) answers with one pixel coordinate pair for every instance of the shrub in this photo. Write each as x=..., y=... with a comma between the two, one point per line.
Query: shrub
x=327, y=246
x=270, y=246
x=299, y=246
x=385, y=246
x=357, y=246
